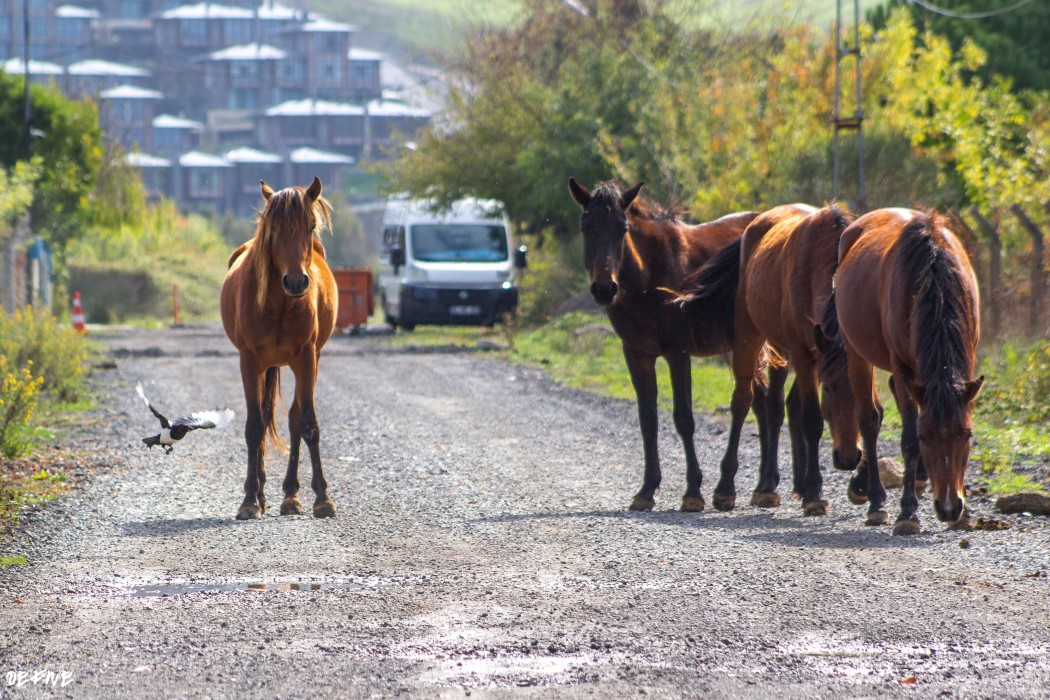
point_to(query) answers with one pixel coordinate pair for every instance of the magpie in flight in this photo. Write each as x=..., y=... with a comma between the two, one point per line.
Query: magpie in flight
x=173, y=431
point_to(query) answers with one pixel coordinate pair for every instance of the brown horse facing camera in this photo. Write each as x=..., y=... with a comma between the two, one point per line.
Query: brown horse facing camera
x=278, y=306
x=906, y=302
x=773, y=284
x=637, y=256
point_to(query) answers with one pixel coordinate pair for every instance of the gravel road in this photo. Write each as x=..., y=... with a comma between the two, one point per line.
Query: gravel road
x=482, y=548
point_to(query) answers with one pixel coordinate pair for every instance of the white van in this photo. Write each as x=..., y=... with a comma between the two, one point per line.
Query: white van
x=454, y=266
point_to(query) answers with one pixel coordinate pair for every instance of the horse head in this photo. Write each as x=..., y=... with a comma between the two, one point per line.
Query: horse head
x=603, y=224
x=291, y=217
x=945, y=429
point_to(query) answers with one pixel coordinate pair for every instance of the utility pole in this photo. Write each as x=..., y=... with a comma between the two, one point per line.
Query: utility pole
x=28, y=116
x=854, y=122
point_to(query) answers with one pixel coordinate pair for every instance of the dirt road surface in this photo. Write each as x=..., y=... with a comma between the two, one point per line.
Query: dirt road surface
x=482, y=549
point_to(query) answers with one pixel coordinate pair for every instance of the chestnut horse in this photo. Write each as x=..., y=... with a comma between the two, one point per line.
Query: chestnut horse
x=906, y=302
x=637, y=256
x=278, y=308
x=774, y=283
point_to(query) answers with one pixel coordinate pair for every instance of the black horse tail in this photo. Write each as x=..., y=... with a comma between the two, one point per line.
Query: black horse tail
x=829, y=338
x=709, y=301
x=271, y=393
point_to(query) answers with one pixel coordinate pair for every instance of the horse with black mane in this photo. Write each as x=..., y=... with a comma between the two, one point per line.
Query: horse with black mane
x=906, y=301
x=637, y=256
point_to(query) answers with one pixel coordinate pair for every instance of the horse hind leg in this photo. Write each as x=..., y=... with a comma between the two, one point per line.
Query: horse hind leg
x=291, y=505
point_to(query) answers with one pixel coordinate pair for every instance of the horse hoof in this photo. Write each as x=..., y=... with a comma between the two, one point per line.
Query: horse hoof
x=249, y=512
x=725, y=502
x=765, y=500
x=291, y=506
x=796, y=495
x=818, y=507
x=877, y=517
x=920, y=488
x=855, y=497
x=641, y=503
x=324, y=509
x=692, y=505
x=906, y=526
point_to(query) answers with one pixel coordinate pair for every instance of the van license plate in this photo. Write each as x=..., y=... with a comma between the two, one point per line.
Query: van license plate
x=465, y=310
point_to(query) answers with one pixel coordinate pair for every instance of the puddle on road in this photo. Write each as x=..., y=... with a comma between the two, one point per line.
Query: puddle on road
x=168, y=590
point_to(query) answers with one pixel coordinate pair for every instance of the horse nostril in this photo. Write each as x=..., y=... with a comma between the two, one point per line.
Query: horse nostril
x=603, y=292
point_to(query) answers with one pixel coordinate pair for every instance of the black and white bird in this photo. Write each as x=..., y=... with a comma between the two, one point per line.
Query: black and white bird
x=173, y=431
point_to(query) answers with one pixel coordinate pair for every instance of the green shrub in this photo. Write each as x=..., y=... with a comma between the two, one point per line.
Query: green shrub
x=1018, y=386
x=18, y=397
x=56, y=354
x=555, y=274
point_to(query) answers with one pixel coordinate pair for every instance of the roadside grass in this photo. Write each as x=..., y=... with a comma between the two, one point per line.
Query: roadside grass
x=23, y=484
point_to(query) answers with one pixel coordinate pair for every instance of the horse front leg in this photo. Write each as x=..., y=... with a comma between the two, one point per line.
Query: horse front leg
x=642, y=369
x=769, y=412
x=305, y=380
x=680, y=363
x=862, y=380
x=291, y=505
x=908, y=521
x=254, y=438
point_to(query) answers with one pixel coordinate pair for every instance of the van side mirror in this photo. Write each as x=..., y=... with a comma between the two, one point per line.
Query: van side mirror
x=397, y=257
x=521, y=260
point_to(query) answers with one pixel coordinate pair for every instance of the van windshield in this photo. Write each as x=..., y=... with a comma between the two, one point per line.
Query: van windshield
x=459, y=243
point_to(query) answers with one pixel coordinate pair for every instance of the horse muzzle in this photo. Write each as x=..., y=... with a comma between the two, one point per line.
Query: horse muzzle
x=949, y=509
x=603, y=292
x=295, y=285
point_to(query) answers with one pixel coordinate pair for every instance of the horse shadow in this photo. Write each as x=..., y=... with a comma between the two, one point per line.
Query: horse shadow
x=756, y=525
x=173, y=526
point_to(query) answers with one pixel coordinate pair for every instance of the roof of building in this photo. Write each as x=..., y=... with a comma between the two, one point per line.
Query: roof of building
x=97, y=67
x=355, y=54
x=130, y=92
x=199, y=159
x=252, y=155
x=168, y=121
x=310, y=107
x=313, y=155
x=249, y=52
x=211, y=10
x=386, y=108
x=15, y=66
x=144, y=160
x=75, y=12
x=319, y=24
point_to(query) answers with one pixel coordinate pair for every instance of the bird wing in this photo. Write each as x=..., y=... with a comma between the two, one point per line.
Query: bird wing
x=205, y=419
x=163, y=421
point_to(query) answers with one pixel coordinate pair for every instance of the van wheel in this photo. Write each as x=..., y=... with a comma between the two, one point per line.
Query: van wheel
x=408, y=326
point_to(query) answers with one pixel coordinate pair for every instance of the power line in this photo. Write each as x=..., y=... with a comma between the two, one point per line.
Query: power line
x=969, y=15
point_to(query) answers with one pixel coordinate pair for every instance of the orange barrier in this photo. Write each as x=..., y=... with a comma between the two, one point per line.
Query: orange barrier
x=356, y=297
x=78, y=314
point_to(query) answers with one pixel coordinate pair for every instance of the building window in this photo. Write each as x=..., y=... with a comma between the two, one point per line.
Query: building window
x=245, y=69
x=194, y=32
x=237, y=31
x=205, y=182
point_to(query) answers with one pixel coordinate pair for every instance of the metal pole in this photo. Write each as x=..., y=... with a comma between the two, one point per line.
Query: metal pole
x=836, y=153
x=861, y=199
x=28, y=115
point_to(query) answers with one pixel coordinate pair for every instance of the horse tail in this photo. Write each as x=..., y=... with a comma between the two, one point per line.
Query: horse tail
x=710, y=299
x=271, y=393
x=832, y=350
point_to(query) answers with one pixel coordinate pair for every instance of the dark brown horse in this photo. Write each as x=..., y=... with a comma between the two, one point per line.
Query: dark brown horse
x=906, y=302
x=636, y=256
x=773, y=284
x=278, y=309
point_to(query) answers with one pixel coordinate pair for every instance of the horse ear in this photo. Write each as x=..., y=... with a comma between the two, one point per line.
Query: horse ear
x=314, y=190
x=267, y=191
x=630, y=194
x=580, y=193
x=973, y=388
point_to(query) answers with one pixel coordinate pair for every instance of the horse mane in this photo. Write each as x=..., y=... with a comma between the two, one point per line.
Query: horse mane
x=833, y=351
x=711, y=299
x=939, y=317
x=610, y=194
x=284, y=209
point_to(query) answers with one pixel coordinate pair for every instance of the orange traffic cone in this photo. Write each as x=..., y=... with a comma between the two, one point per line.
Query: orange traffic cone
x=78, y=314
